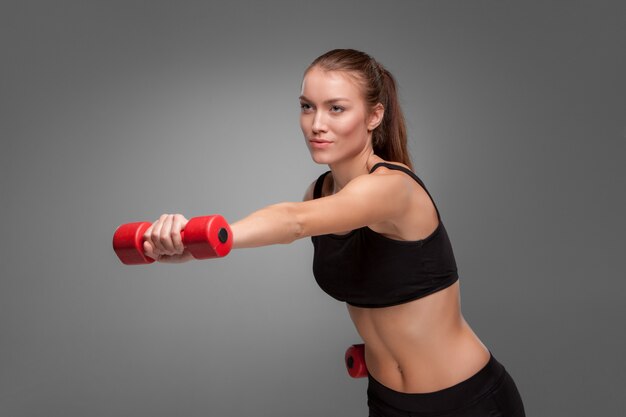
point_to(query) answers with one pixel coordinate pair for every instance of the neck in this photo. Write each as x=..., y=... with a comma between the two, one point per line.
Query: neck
x=345, y=171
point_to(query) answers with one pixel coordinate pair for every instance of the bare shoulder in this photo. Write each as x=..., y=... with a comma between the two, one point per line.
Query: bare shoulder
x=419, y=219
x=384, y=179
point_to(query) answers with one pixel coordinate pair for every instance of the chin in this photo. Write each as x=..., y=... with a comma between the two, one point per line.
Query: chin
x=318, y=157
x=322, y=159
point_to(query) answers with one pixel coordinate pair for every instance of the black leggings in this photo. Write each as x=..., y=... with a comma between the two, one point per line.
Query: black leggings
x=490, y=392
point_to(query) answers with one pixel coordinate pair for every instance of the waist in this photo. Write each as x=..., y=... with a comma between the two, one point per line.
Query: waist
x=463, y=393
x=430, y=365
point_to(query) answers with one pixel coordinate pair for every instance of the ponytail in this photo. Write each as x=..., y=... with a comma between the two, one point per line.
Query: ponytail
x=389, y=139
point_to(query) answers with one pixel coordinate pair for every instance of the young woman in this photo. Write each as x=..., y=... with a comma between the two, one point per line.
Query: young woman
x=380, y=246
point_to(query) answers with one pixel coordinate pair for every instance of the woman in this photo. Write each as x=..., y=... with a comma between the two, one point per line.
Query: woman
x=379, y=245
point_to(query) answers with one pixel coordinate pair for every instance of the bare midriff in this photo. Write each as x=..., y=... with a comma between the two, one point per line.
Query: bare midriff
x=421, y=346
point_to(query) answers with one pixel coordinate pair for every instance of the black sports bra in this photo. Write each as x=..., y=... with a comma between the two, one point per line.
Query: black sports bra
x=367, y=269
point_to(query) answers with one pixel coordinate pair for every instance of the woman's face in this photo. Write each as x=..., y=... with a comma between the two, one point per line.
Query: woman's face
x=333, y=116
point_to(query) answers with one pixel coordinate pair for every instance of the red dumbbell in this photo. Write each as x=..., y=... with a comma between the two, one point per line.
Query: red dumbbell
x=355, y=361
x=204, y=237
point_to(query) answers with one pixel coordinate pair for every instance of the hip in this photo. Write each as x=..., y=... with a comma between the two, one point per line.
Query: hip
x=489, y=392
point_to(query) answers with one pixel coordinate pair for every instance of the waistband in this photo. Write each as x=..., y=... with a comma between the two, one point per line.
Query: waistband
x=461, y=395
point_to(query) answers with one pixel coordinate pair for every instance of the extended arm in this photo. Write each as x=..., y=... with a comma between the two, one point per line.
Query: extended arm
x=366, y=200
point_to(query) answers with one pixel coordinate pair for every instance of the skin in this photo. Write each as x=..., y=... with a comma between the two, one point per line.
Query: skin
x=416, y=347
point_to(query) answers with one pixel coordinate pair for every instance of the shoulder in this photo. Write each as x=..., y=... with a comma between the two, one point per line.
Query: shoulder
x=387, y=180
x=380, y=188
x=396, y=174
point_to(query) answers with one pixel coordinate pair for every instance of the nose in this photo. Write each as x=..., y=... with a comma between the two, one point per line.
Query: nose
x=319, y=124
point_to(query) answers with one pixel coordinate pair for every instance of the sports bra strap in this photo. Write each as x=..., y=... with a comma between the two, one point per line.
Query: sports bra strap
x=397, y=168
x=317, y=191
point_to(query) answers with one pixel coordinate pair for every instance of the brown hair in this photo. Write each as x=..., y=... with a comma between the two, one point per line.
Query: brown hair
x=389, y=139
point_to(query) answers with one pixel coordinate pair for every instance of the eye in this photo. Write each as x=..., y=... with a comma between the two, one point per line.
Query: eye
x=336, y=109
x=305, y=107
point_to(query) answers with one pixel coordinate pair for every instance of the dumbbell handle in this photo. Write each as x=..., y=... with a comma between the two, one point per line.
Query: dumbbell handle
x=204, y=237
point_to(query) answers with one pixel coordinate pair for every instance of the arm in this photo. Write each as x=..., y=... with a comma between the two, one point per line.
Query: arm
x=366, y=200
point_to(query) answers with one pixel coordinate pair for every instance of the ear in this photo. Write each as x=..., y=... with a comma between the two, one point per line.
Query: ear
x=376, y=117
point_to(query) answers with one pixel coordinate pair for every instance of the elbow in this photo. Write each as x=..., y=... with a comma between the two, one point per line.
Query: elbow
x=293, y=226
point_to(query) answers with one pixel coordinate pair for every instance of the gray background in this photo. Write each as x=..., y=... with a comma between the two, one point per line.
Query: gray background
x=118, y=112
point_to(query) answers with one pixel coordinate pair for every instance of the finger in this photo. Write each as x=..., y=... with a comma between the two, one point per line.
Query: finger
x=147, y=235
x=183, y=221
x=156, y=234
x=149, y=250
x=177, y=226
x=166, y=235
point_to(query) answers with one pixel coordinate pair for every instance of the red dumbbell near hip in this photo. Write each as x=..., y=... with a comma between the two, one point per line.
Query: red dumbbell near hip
x=355, y=361
x=204, y=237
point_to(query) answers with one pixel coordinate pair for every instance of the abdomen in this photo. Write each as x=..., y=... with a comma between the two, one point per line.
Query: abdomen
x=420, y=346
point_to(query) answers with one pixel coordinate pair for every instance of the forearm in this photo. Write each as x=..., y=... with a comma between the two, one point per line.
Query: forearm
x=271, y=225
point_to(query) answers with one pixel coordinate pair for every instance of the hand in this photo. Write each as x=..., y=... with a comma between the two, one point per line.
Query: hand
x=163, y=242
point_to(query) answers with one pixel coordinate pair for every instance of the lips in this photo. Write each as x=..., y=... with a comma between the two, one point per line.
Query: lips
x=317, y=143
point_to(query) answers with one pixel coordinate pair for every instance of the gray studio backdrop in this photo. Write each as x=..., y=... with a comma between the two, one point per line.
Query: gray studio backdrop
x=112, y=112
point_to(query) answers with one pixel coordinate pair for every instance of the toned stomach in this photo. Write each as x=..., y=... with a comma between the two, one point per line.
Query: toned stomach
x=421, y=346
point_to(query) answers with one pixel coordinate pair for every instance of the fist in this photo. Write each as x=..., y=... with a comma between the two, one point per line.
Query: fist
x=163, y=241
